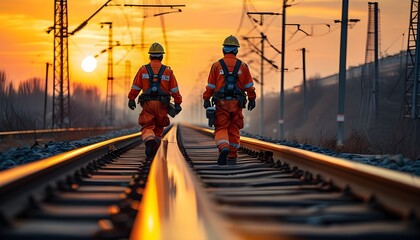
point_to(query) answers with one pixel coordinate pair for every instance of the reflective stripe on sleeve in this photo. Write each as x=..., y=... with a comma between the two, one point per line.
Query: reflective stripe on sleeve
x=135, y=87
x=248, y=85
x=174, y=90
x=212, y=86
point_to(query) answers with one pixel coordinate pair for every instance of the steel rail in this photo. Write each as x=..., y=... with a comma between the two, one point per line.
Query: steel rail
x=174, y=203
x=19, y=183
x=18, y=173
x=395, y=191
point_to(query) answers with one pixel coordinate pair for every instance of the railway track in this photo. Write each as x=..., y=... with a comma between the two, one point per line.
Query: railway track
x=276, y=191
x=273, y=192
x=12, y=139
x=87, y=193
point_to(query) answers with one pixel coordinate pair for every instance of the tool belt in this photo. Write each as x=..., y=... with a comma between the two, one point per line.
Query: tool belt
x=162, y=98
x=240, y=97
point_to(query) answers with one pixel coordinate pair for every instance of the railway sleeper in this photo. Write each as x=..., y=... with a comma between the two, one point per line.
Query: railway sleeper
x=267, y=198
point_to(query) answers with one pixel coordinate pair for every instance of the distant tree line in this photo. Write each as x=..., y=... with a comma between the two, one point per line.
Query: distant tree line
x=22, y=106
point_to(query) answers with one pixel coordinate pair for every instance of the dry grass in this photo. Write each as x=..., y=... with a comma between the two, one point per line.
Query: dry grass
x=29, y=140
x=356, y=143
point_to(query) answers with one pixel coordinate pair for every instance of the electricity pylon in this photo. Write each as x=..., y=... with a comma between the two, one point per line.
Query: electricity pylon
x=412, y=84
x=61, y=79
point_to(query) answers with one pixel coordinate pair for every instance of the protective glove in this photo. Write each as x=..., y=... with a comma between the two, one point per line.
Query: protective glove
x=207, y=104
x=251, y=104
x=132, y=104
x=178, y=108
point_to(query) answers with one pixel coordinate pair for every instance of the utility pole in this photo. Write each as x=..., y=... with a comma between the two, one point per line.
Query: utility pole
x=283, y=56
x=305, y=100
x=372, y=45
x=263, y=39
x=61, y=80
x=46, y=94
x=376, y=71
x=61, y=92
x=127, y=84
x=370, y=101
x=261, y=82
x=342, y=71
x=262, y=85
x=109, y=101
x=412, y=81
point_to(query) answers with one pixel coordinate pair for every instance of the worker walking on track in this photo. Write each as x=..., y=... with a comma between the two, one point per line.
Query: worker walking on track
x=228, y=81
x=158, y=84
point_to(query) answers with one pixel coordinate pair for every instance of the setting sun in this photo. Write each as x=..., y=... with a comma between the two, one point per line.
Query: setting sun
x=89, y=64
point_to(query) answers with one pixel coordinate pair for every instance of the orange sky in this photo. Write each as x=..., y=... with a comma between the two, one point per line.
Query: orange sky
x=194, y=38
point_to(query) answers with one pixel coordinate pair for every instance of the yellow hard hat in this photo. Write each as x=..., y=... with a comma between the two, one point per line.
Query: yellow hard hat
x=231, y=41
x=156, y=48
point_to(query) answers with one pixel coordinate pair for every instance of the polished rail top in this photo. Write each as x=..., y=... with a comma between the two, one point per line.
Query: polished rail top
x=174, y=205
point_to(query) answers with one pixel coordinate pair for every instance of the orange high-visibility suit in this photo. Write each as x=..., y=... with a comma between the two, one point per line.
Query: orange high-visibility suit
x=153, y=117
x=229, y=118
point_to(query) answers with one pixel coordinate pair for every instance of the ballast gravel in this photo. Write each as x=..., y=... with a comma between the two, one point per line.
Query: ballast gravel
x=21, y=155
x=26, y=154
x=395, y=162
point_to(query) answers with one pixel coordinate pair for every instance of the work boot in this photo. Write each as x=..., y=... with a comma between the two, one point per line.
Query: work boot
x=231, y=161
x=150, y=145
x=222, y=156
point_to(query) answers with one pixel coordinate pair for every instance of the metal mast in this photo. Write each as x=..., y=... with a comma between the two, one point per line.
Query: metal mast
x=61, y=93
x=283, y=58
x=412, y=84
x=127, y=84
x=372, y=42
x=109, y=101
x=370, y=78
x=263, y=58
x=305, y=95
x=262, y=83
x=61, y=79
x=342, y=72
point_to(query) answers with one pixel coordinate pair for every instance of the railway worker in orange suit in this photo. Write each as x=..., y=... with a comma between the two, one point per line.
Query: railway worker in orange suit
x=157, y=83
x=228, y=81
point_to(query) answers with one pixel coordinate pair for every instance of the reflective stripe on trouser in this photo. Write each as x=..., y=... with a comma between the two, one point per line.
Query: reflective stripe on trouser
x=229, y=120
x=153, y=118
x=233, y=148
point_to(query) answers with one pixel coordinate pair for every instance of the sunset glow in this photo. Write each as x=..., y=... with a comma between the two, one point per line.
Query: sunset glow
x=192, y=38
